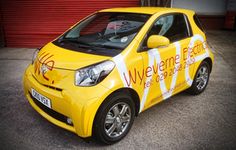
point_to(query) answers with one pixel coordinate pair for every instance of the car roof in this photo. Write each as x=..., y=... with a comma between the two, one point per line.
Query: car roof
x=147, y=10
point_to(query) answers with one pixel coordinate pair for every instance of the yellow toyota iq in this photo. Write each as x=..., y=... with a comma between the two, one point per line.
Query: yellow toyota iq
x=114, y=64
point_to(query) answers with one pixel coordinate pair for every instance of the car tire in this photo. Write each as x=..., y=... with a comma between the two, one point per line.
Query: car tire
x=200, y=80
x=114, y=118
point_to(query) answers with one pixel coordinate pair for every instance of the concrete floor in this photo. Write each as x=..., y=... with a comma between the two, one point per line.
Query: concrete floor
x=207, y=121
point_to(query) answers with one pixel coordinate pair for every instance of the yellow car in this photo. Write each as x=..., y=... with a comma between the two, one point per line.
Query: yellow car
x=114, y=64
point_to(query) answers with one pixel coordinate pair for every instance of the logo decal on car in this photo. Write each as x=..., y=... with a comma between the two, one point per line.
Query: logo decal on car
x=189, y=56
x=43, y=64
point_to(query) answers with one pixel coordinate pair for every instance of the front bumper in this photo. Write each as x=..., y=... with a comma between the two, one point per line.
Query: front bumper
x=76, y=103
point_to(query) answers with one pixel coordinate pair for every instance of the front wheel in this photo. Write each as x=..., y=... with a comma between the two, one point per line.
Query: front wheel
x=114, y=118
x=201, y=79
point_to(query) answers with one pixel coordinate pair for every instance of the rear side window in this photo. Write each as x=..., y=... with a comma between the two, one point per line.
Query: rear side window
x=198, y=23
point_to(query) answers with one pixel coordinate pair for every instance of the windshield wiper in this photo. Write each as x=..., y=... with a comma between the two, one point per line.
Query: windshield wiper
x=107, y=46
x=78, y=43
x=82, y=44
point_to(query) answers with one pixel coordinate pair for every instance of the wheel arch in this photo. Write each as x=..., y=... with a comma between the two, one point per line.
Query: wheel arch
x=209, y=61
x=132, y=93
x=134, y=96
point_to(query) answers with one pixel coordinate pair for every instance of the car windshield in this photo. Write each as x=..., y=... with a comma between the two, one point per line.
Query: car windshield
x=107, y=32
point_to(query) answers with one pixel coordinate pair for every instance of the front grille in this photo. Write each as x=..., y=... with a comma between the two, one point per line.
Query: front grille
x=51, y=87
x=50, y=112
x=48, y=86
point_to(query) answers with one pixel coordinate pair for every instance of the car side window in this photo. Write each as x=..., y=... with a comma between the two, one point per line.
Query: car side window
x=174, y=26
x=198, y=23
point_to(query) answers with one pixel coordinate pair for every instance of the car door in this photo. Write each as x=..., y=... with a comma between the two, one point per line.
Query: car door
x=165, y=66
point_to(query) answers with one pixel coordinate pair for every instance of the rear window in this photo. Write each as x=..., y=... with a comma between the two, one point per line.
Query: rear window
x=198, y=23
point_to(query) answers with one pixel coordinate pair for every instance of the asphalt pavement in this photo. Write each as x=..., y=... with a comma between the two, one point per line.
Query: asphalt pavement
x=206, y=121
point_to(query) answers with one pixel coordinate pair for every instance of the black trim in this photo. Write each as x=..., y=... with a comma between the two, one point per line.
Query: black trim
x=48, y=86
x=189, y=28
x=50, y=112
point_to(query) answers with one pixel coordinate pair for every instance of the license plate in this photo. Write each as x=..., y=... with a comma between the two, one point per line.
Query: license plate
x=42, y=99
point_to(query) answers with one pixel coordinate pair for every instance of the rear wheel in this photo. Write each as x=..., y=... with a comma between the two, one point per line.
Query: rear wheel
x=114, y=118
x=201, y=79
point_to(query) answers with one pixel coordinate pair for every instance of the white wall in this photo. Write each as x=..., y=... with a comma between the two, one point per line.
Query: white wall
x=205, y=7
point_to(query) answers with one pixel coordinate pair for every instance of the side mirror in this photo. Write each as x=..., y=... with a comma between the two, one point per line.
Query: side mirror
x=155, y=41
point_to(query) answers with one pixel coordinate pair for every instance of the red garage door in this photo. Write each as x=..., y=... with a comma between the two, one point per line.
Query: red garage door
x=31, y=23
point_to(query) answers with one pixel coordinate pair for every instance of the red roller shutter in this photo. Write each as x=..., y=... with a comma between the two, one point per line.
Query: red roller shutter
x=30, y=23
x=1, y=31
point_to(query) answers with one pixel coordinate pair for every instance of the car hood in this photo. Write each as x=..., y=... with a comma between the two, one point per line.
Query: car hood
x=55, y=66
x=60, y=58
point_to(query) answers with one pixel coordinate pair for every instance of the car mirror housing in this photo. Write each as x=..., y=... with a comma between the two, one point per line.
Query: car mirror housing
x=155, y=41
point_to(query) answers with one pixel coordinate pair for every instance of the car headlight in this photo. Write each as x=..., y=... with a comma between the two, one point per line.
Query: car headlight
x=93, y=74
x=35, y=54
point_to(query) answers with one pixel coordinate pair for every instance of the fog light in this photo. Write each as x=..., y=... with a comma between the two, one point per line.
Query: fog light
x=69, y=121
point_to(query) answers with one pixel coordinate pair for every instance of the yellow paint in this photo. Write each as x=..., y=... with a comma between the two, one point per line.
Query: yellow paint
x=82, y=103
x=155, y=41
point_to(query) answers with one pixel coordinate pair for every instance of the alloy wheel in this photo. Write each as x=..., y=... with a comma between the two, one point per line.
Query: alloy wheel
x=117, y=120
